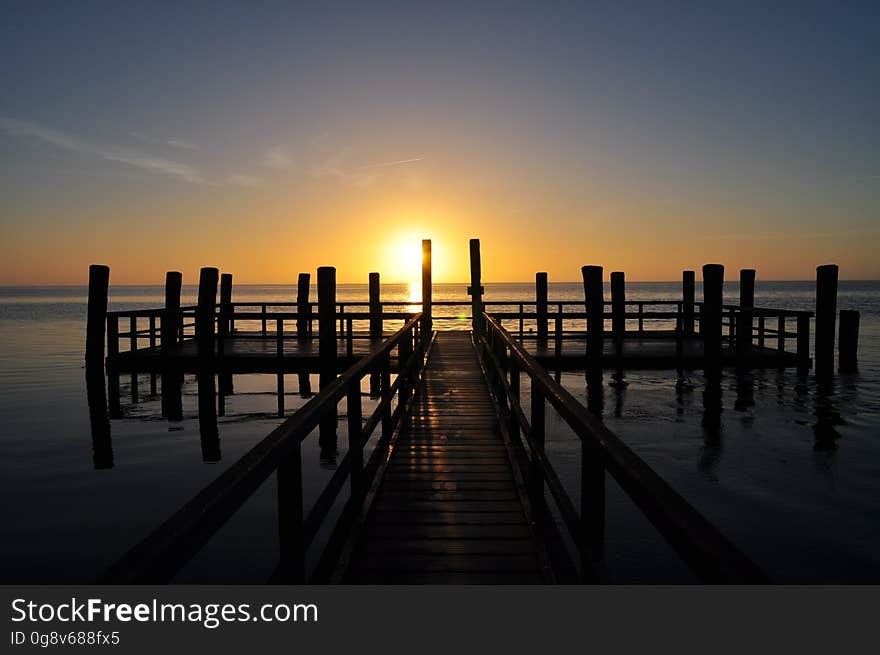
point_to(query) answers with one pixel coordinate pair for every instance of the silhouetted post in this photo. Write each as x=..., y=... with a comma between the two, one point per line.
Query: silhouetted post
x=618, y=310
x=848, y=359
x=427, y=320
x=476, y=288
x=803, y=342
x=303, y=310
x=99, y=283
x=290, y=516
x=172, y=403
x=746, y=305
x=205, y=312
x=327, y=351
x=541, y=305
x=687, y=302
x=826, y=318
x=102, y=445
x=710, y=316
x=114, y=408
x=594, y=297
x=375, y=309
x=224, y=327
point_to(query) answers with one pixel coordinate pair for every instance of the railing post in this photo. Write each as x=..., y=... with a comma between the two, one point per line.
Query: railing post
x=618, y=310
x=592, y=508
x=687, y=307
x=327, y=351
x=594, y=297
x=848, y=356
x=385, y=384
x=476, y=289
x=132, y=345
x=427, y=310
x=514, y=403
x=99, y=285
x=541, y=305
x=355, y=438
x=641, y=318
x=761, y=332
x=375, y=311
x=746, y=305
x=114, y=408
x=290, y=516
x=349, y=339
x=152, y=346
x=279, y=352
x=537, y=434
x=224, y=328
x=404, y=352
x=826, y=318
x=780, y=335
x=710, y=313
x=303, y=308
x=263, y=329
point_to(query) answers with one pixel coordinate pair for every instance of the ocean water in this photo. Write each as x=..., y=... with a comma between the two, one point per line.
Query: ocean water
x=786, y=467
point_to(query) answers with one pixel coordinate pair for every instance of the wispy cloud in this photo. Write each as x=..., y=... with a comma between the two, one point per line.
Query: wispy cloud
x=339, y=167
x=180, y=144
x=143, y=161
x=277, y=157
x=398, y=162
x=247, y=181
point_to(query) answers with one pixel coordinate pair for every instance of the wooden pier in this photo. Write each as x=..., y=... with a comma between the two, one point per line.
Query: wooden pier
x=457, y=487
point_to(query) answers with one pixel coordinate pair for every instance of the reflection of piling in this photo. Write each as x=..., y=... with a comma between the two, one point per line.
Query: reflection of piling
x=102, y=446
x=224, y=328
x=710, y=315
x=746, y=306
x=848, y=360
x=327, y=352
x=476, y=288
x=541, y=306
x=210, y=436
x=826, y=318
x=594, y=298
x=618, y=310
x=687, y=302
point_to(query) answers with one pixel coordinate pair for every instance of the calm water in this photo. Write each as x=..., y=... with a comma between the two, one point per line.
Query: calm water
x=788, y=469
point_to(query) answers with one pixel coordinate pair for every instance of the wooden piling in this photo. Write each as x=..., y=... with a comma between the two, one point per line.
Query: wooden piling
x=594, y=298
x=375, y=309
x=803, y=342
x=688, y=286
x=303, y=309
x=826, y=318
x=476, y=288
x=205, y=312
x=541, y=305
x=848, y=346
x=710, y=315
x=618, y=309
x=99, y=284
x=224, y=328
x=427, y=320
x=327, y=351
x=746, y=306
x=171, y=319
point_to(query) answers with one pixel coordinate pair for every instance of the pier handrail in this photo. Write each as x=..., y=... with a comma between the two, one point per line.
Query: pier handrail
x=710, y=555
x=160, y=555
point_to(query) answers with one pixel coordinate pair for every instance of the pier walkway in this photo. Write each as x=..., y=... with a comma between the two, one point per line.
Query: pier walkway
x=448, y=508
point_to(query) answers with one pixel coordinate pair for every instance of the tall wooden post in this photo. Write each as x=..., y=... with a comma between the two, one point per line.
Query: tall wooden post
x=327, y=351
x=826, y=318
x=99, y=284
x=302, y=306
x=476, y=288
x=848, y=358
x=618, y=309
x=427, y=320
x=710, y=316
x=541, y=305
x=375, y=309
x=594, y=297
x=205, y=311
x=687, y=302
x=224, y=327
x=746, y=305
x=172, y=403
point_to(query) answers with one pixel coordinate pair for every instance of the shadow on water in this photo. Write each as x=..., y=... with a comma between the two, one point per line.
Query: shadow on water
x=711, y=424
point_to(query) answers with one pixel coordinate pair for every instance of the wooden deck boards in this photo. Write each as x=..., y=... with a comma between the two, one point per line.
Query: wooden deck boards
x=447, y=509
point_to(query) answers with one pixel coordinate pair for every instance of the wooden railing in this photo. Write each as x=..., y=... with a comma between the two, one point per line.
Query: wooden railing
x=700, y=545
x=160, y=556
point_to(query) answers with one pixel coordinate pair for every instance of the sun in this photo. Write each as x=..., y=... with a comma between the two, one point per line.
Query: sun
x=403, y=261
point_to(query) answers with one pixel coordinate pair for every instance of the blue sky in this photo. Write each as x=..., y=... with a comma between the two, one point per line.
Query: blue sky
x=747, y=129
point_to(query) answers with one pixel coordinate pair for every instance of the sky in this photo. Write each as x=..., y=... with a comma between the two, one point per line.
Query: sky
x=272, y=139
